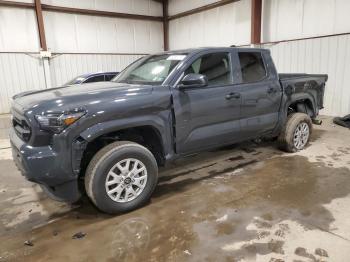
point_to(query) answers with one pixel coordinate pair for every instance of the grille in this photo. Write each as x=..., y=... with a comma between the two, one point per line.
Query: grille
x=22, y=128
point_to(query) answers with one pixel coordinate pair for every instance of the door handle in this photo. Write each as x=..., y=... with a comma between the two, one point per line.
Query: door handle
x=233, y=95
x=271, y=90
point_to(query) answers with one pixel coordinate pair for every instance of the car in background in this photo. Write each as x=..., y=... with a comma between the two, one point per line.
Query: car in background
x=91, y=78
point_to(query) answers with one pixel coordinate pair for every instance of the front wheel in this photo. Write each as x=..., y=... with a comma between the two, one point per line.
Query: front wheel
x=121, y=177
x=296, y=132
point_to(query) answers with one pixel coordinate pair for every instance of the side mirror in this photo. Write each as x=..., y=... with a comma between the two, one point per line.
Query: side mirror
x=193, y=81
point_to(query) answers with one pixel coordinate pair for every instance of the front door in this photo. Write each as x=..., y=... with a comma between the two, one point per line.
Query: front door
x=207, y=116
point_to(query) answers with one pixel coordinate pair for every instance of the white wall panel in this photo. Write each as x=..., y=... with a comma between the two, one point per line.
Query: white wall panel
x=142, y=7
x=65, y=67
x=223, y=26
x=330, y=56
x=18, y=73
x=18, y=30
x=288, y=19
x=69, y=33
x=179, y=6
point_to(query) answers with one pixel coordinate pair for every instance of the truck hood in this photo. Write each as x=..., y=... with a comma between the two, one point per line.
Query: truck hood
x=64, y=98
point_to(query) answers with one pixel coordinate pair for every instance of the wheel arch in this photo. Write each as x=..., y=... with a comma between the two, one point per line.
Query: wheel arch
x=151, y=134
x=302, y=104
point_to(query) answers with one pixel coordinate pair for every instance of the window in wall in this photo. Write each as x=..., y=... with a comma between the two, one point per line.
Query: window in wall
x=216, y=67
x=252, y=66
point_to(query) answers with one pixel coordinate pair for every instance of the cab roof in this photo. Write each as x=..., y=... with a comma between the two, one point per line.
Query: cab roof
x=200, y=49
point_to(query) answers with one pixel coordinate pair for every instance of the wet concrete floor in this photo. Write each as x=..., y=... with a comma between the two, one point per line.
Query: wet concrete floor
x=247, y=202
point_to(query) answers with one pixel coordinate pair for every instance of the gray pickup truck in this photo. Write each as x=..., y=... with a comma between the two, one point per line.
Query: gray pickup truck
x=108, y=139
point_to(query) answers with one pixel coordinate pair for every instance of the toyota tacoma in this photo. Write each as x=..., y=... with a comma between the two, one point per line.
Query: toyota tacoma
x=108, y=139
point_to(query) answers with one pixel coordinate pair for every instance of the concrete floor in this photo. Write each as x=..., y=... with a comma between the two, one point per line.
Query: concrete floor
x=248, y=202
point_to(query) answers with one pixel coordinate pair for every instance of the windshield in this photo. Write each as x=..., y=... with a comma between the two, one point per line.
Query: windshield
x=152, y=70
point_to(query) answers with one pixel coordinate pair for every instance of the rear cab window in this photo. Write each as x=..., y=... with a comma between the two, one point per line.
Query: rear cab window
x=252, y=66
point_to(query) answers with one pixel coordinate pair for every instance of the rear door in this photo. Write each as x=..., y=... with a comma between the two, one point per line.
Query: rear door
x=260, y=91
x=207, y=116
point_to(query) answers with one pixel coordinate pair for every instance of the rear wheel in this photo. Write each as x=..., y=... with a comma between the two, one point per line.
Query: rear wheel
x=121, y=177
x=296, y=133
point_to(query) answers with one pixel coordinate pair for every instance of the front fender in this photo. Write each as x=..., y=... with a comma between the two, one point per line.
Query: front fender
x=161, y=123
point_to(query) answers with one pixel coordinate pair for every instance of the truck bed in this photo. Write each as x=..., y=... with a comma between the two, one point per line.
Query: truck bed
x=311, y=84
x=286, y=76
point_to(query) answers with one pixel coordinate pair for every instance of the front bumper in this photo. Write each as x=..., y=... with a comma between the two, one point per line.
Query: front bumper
x=45, y=166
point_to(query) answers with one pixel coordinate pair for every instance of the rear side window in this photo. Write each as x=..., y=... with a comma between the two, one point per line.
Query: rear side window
x=252, y=66
x=216, y=67
x=99, y=78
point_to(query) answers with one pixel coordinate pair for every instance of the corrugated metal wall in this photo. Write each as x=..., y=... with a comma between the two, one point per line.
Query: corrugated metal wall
x=18, y=30
x=142, y=7
x=69, y=33
x=19, y=73
x=179, y=6
x=67, y=66
x=91, y=38
x=24, y=72
x=281, y=20
x=329, y=55
x=289, y=19
x=75, y=33
x=222, y=26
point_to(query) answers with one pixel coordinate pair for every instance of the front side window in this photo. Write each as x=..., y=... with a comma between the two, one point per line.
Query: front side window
x=216, y=67
x=252, y=66
x=152, y=70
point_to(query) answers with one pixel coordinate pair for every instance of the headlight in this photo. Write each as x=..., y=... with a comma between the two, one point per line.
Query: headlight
x=59, y=121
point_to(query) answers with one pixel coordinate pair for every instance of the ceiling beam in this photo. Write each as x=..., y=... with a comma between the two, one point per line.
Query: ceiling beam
x=202, y=8
x=40, y=21
x=255, y=31
x=81, y=11
x=16, y=4
x=70, y=10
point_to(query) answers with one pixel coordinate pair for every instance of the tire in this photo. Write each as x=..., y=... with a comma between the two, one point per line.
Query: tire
x=287, y=138
x=105, y=168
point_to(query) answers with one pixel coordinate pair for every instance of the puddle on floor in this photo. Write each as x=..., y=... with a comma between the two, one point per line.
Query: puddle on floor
x=218, y=216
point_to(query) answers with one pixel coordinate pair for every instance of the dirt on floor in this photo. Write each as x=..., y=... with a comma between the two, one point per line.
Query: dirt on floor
x=246, y=202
